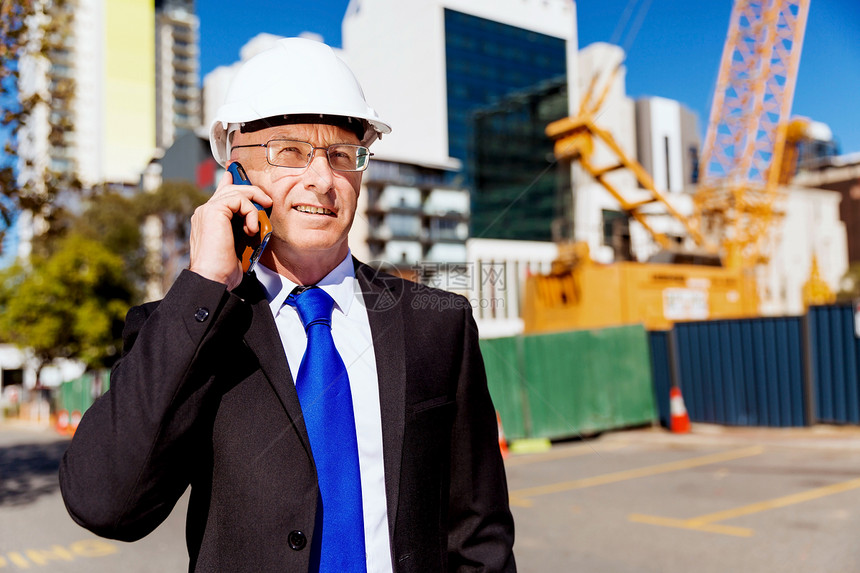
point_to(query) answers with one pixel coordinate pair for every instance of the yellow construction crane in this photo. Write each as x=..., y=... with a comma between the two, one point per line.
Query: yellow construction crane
x=738, y=196
x=735, y=207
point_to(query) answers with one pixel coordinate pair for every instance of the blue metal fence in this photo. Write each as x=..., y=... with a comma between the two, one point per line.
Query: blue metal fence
x=834, y=352
x=746, y=372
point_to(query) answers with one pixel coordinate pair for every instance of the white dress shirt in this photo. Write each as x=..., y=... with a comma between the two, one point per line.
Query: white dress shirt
x=352, y=338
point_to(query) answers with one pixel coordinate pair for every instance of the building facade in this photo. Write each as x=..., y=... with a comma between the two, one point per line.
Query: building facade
x=96, y=118
x=668, y=143
x=409, y=215
x=177, y=70
x=467, y=86
x=519, y=191
x=842, y=175
x=439, y=60
x=105, y=71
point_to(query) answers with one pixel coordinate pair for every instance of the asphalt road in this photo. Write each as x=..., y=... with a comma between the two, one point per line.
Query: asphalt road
x=36, y=533
x=639, y=501
x=717, y=500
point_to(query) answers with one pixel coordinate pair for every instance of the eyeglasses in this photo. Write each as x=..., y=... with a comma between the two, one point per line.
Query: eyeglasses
x=299, y=154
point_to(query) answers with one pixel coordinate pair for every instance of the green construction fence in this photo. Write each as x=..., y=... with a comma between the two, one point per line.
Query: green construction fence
x=571, y=384
x=79, y=394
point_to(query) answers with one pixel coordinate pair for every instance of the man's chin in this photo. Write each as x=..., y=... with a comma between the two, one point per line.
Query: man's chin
x=318, y=246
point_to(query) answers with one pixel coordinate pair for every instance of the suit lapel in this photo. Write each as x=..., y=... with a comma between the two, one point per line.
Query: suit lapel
x=381, y=295
x=264, y=341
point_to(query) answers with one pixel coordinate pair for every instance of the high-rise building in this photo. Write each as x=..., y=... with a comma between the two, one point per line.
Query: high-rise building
x=520, y=192
x=441, y=60
x=101, y=82
x=440, y=65
x=668, y=143
x=177, y=69
x=96, y=119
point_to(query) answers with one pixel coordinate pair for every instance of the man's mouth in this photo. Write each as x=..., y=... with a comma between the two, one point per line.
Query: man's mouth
x=313, y=210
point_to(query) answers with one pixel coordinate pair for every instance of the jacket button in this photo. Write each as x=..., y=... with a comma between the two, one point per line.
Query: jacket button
x=297, y=540
x=202, y=314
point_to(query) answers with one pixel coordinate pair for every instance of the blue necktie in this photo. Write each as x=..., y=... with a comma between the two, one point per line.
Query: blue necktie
x=323, y=388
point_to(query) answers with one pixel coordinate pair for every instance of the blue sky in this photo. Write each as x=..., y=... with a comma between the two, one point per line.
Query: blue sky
x=673, y=47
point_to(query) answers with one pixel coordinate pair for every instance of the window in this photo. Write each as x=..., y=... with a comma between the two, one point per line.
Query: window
x=11, y=376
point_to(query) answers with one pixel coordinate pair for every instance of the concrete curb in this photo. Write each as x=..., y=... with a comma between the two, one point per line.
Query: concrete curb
x=817, y=437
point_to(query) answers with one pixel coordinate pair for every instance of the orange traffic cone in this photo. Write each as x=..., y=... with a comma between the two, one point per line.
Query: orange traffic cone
x=680, y=420
x=503, y=444
x=63, y=422
x=74, y=420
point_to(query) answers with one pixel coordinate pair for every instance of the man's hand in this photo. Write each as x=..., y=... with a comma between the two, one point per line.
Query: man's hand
x=213, y=254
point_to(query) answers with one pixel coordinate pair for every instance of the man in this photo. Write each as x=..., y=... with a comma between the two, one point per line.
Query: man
x=222, y=385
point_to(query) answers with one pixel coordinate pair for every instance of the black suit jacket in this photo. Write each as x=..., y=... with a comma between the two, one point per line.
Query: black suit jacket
x=203, y=397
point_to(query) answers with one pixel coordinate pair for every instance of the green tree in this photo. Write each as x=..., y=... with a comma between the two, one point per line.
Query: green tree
x=70, y=304
x=113, y=219
x=850, y=284
x=173, y=204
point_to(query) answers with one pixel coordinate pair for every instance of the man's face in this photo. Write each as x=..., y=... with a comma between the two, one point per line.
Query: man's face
x=297, y=193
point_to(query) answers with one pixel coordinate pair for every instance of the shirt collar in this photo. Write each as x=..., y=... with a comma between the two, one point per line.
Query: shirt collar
x=339, y=284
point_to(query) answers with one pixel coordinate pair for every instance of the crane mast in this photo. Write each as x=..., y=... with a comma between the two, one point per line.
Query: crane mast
x=738, y=196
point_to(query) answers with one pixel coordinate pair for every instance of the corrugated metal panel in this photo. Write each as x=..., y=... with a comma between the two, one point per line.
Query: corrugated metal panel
x=502, y=359
x=661, y=372
x=834, y=353
x=79, y=394
x=743, y=372
x=571, y=383
x=588, y=381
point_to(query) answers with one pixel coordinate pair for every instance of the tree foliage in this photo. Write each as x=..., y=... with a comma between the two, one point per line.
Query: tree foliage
x=69, y=304
x=173, y=204
x=850, y=284
x=112, y=218
x=115, y=219
x=70, y=301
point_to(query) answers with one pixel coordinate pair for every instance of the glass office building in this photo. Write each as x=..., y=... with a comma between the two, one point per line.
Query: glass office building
x=520, y=191
x=486, y=62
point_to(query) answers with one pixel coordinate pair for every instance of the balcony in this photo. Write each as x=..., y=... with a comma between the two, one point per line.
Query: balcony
x=185, y=49
x=185, y=64
x=448, y=203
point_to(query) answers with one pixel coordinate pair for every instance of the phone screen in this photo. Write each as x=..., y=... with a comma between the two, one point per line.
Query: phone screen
x=249, y=248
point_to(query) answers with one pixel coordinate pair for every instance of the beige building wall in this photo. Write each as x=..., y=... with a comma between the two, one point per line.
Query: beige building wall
x=129, y=88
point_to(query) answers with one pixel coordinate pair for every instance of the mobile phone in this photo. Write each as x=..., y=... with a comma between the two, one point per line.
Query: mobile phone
x=249, y=248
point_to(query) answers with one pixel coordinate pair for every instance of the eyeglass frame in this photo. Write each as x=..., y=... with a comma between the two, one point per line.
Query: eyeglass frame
x=311, y=155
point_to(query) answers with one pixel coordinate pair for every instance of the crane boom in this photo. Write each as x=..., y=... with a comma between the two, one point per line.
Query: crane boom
x=735, y=207
x=738, y=195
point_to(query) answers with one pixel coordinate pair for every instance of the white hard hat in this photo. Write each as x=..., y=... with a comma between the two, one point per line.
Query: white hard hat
x=296, y=76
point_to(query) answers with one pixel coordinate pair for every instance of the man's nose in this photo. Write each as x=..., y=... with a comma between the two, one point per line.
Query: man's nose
x=319, y=170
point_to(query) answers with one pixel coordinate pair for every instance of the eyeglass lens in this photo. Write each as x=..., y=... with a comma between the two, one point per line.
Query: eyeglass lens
x=341, y=156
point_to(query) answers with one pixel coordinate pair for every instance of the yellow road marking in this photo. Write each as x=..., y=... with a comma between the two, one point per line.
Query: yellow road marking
x=42, y=557
x=519, y=501
x=562, y=453
x=636, y=473
x=706, y=522
x=688, y=524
